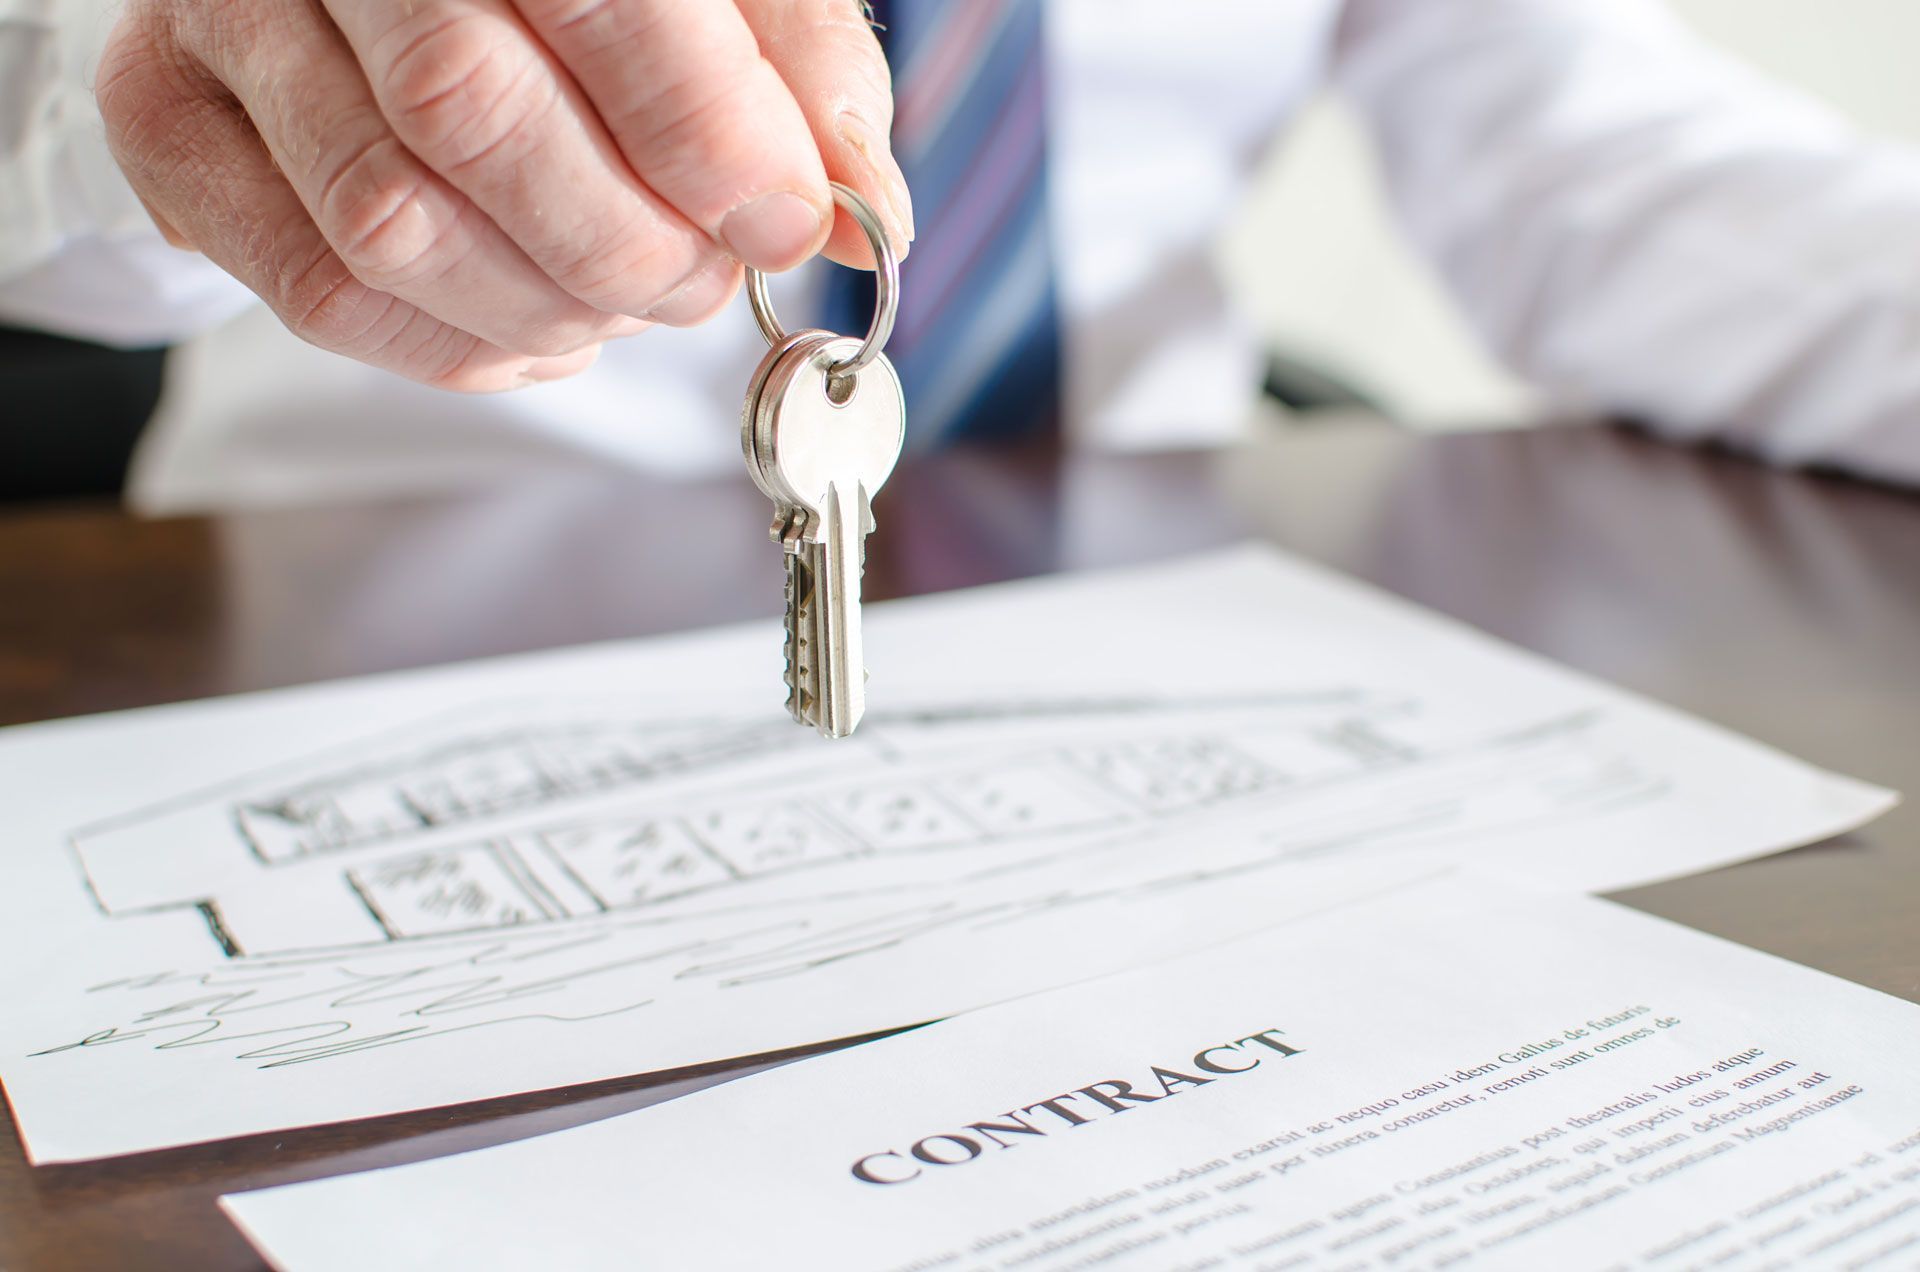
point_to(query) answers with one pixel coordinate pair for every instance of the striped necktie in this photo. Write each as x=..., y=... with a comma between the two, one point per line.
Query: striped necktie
x=977, y=343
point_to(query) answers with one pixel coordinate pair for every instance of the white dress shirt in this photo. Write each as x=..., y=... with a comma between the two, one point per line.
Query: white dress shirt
x=1629, y=219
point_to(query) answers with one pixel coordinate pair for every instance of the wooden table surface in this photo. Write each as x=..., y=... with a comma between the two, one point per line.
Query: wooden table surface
x=1784, y=606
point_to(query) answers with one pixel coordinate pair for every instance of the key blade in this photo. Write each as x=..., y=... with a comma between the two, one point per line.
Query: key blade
x=840, y=656
x=803, y=690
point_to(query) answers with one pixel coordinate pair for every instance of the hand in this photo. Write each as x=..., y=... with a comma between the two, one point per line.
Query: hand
x=477, y=193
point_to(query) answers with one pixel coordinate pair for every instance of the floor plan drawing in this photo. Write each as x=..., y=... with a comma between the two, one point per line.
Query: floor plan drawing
x=463, y=833
x=452, y=880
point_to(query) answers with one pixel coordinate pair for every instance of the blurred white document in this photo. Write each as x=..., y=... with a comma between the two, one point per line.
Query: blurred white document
x=1455, y=1071
x=414, y=890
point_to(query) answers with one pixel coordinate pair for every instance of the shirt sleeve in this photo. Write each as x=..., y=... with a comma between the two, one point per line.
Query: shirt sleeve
x=78, y=254
x=1644, y=227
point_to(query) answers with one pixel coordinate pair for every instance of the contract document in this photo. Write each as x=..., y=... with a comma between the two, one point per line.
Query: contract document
x=1450, y=1073
x=413, y=890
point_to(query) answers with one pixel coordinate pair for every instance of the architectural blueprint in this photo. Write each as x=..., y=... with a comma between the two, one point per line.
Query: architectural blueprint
x=361, y=898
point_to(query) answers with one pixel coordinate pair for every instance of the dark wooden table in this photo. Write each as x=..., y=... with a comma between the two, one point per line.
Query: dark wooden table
x=1784, y=606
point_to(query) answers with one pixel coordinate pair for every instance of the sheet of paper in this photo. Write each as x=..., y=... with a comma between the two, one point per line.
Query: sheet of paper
x=1453, y=1071
x=413, y=890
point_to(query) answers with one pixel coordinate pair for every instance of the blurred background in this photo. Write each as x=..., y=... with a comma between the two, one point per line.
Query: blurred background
x=1343, y=293
x=1312, y=256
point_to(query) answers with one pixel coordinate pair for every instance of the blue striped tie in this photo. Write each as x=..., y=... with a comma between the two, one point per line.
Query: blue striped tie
x=977, y=343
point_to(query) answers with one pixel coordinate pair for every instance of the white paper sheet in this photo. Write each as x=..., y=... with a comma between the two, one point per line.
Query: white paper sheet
x=1451, y=1072
x=415, y=890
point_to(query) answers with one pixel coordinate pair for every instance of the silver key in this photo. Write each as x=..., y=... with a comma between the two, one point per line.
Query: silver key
x=803, y=690
x=821, y=445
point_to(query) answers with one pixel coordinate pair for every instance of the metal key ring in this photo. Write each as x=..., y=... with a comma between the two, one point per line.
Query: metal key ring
x=886, y=291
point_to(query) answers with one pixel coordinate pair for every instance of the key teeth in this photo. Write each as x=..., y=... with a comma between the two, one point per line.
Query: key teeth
x=801, y=704
x=789, y=644
x=799, y=674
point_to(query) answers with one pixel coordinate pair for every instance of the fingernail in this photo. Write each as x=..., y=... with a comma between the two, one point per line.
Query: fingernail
x=878, y=156
x=773, y=232
x=696, y=299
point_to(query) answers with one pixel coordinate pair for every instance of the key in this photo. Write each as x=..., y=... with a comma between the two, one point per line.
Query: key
x=821, y=446
x=803, y=689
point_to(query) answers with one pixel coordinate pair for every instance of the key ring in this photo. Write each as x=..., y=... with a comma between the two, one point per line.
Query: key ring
x=886, y=290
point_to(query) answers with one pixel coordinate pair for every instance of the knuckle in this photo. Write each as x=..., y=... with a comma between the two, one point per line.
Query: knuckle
x=426, y=57
x=567, y=15
x=456, y=361
x=147, y=96
x=703, y=130
x=128, y=67
x=701, y=106
x=439, y=355
x=616, y=29
x=467, y=91
x=325, y=305
x=387, y=222
x=660, y=83
x=142, y=118
x=629, y=272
